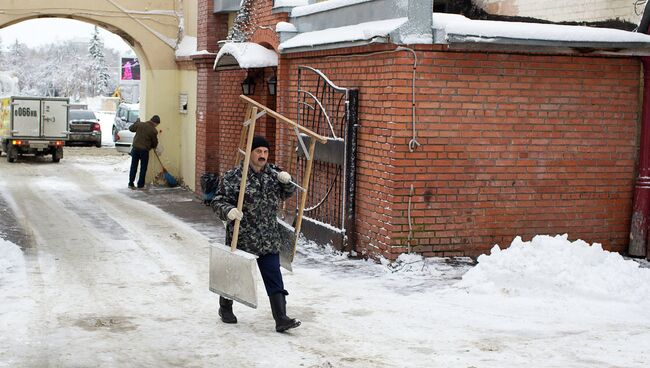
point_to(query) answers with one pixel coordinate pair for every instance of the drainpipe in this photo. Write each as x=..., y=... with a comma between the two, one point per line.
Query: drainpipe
x=641, y=209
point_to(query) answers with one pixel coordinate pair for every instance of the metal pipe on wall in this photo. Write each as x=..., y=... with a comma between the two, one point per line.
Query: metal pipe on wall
x=641, y=205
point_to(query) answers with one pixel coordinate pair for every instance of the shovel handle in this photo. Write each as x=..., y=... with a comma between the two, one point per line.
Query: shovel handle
x=244, y=177
x=159, y=161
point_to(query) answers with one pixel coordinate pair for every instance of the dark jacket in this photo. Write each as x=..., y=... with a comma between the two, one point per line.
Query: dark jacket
x=146, y=135
x=259, y=231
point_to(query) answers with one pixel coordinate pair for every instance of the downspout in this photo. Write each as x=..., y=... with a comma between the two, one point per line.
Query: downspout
x=641, y=207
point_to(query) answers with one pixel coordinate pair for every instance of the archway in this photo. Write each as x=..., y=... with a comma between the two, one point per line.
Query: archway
x=153, y=29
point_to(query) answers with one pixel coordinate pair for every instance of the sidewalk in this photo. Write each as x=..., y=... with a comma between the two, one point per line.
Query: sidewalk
x=185, y=205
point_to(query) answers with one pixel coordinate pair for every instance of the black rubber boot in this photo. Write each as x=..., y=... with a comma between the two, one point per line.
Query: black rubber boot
x=225, y=311
x=279, y=310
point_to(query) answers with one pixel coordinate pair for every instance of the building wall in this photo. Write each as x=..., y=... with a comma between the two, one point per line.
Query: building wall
x=211, y=28
x=220, y=112
x=187, y=124
x=511, y=145
x=571, y=10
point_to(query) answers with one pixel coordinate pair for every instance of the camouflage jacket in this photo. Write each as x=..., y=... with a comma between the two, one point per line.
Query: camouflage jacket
x=258, y=232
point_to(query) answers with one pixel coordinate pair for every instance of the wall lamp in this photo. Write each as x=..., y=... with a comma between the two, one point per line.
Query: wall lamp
x=248, y=86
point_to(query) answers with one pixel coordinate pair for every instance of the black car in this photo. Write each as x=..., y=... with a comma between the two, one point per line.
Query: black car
x=84, y=129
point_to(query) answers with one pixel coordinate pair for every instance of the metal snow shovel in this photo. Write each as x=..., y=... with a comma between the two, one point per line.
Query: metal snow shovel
x=288, y=251
x=232, y=271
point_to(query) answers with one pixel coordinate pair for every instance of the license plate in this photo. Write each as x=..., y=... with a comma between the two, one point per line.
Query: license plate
x=38, y=145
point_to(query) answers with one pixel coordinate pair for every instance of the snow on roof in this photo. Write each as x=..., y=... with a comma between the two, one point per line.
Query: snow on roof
x=323, y=6
x=285, y=27
x=245, y=55
x=357, y=32
x=187, y=47
x=488, y=31
x=457, y=29
x=287, y=3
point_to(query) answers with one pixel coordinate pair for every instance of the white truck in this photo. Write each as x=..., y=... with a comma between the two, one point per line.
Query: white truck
x=33, y=126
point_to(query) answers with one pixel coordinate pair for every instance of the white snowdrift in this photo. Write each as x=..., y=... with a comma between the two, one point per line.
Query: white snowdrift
x=554, y=267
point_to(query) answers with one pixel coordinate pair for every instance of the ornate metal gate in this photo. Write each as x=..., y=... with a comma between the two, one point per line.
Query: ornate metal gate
x=330, y=111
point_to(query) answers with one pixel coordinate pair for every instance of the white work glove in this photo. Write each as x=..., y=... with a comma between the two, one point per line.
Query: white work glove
x=159, y=151
x=235, y=214
x=284, y=177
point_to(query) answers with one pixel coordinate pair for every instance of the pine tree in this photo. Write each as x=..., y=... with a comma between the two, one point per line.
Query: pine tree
x=242, y=28
x=16, y=62
x=2, y=56
x=100, y=75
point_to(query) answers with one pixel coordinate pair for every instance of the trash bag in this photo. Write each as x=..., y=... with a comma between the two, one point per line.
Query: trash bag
x=209, y=184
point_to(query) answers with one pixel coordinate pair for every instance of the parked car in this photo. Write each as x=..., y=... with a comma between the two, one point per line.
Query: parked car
x=123, y=140
x=84, y=129
x=125, y=115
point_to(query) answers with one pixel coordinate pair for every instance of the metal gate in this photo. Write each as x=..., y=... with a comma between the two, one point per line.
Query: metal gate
x=330, y=111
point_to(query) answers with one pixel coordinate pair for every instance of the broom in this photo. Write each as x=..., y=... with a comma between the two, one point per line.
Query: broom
x=169, y=178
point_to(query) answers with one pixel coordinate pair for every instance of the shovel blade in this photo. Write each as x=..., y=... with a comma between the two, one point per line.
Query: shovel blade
x=233, y=274
x=287, y=238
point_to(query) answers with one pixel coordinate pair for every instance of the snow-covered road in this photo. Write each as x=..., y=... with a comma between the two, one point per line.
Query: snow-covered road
x=103, y=278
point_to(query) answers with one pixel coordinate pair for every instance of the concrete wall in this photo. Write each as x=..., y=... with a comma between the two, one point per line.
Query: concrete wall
x=565, y=10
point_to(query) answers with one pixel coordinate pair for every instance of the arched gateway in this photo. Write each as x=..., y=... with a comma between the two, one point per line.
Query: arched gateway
x=154, y=29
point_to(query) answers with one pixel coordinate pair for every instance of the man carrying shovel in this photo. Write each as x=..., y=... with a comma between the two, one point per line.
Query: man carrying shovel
x=259, y=234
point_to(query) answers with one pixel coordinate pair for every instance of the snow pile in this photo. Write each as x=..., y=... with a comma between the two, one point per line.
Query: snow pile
x=555, y=267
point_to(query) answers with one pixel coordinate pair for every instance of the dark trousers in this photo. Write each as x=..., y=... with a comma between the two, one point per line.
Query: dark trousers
x=269, y=266
x=141, y=157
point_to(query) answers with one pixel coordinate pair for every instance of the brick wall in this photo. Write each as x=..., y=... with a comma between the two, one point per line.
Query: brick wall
x=205, y=114
x=210, y=29
x=231, y=110
x=512, y=145
x=220, y=112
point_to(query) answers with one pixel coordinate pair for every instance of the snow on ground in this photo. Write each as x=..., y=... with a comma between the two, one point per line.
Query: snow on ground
x=549, y=302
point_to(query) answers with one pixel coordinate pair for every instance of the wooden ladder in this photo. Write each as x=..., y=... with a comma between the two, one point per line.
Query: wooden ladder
x=255, y=110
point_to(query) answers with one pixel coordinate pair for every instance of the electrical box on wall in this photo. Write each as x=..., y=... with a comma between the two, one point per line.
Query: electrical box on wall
x=182, y=103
